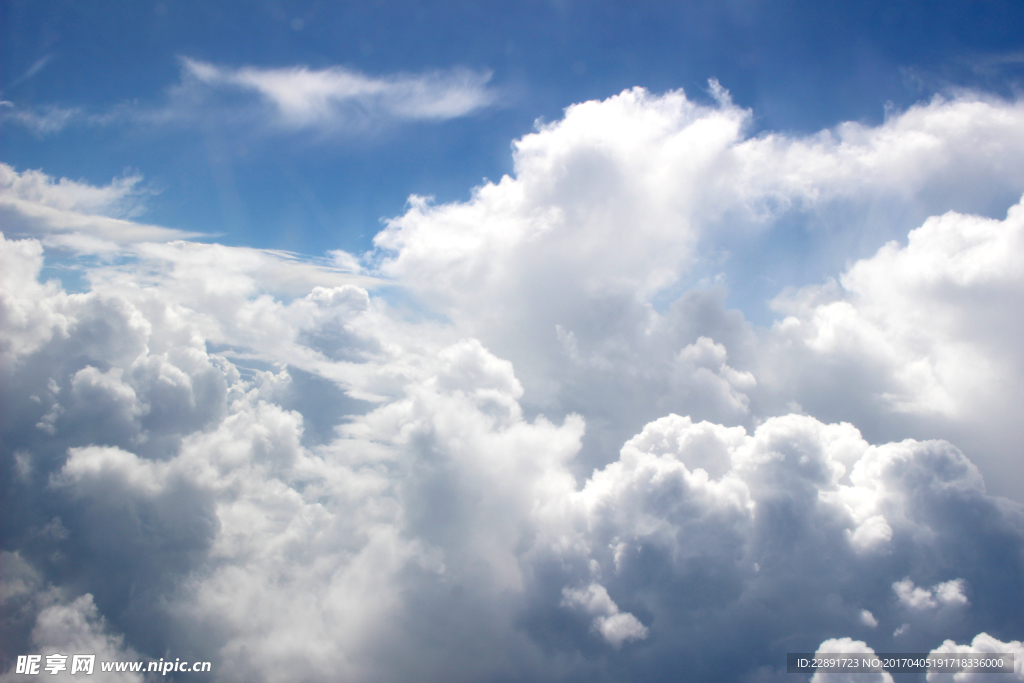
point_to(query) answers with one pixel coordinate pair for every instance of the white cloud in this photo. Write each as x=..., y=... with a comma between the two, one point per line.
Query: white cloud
x=58, y=625
x=624, y=205
x=75, y=214
x=245, y=457
x=852, y=647
x=437, y=529
x=87, y=220
x=304, y=97
x=41, y=121
x=332, y=100
x=616, y=627
x=924, y=333
x=618, y=194
x=907, y=302
x=328, y=101
x=36, y=67
x=76, y=627
x=985, y=644
x=949, y=593
x=120, y=198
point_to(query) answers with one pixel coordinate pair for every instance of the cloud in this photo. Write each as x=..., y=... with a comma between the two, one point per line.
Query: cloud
x=616, y=627
x=942, y=594
x=336, y=97
x=853, y=647
x=629, y=210
x=923, y=332
x=982, y=643
x=42, y=121
x=75, y=214
x=59, y=624
x=569, y=460
x=439, y=521
x=84, y=220
x=36, y=67
x=325, y=101
x=629, y=223
x=120, y=198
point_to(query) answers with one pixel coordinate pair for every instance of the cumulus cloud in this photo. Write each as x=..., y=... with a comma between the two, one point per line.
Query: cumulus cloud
x=612, y=249
x=852, y=647
x=626, y=211
x=921, y=333
x=948, y=593
x=982, y=643
x=573, y=461
x=616, y=627
x=59, y=625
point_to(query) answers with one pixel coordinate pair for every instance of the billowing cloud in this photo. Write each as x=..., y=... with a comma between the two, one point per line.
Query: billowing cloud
x=616, y=627
x=605, y=260
x=569, y=460
x=921, y=335
x=948, y=593
x=984, y=644
x=851, y=647
x=58, y=625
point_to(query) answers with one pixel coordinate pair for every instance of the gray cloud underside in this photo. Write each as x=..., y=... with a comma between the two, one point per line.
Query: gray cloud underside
x=548, y=477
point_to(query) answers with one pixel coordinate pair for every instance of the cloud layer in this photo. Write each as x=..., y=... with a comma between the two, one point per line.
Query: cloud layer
x=567, y=458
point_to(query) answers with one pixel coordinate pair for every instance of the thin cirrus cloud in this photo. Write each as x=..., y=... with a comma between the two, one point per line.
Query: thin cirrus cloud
x=300, y=97
x=36, y=67
x=40, y=121
x=329, y=100
x=85, y=220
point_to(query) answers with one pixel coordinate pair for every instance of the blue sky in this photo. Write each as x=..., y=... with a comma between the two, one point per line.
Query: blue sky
x=526, y=341
x=799, y=66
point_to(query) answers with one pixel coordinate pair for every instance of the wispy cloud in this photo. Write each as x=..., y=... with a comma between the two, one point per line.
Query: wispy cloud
x=98, y=221
x=330, y=101
x=34, y=204
x=43, y=121
x=996, y=63
x=300, y=97
x=36, y=67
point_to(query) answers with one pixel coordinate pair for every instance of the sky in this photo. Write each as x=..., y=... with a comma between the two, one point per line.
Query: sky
x=510, y=341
